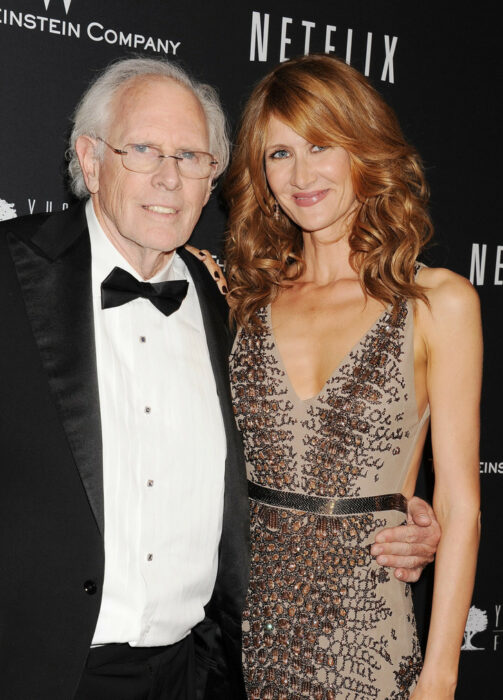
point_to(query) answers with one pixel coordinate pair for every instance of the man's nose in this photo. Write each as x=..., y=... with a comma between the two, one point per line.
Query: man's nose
x=167, y=174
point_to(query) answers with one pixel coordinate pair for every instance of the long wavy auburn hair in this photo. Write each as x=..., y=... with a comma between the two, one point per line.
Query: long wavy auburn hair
x=328, y=103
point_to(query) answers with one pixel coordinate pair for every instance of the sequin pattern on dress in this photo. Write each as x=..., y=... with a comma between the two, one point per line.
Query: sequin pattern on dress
x=322, y=619
x=357, y=415
x=263, y=411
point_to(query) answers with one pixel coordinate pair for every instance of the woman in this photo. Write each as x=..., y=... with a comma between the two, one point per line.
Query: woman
x=346, y=344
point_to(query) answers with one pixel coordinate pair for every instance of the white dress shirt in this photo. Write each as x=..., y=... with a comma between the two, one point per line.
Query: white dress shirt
x=164, y=452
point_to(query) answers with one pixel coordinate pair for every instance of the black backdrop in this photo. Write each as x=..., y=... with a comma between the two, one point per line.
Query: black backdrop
x=436, y=63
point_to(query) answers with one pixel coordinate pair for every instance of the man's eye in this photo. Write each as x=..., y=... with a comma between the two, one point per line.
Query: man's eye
x=187, y=155
x=142, y=149
x=279, y=154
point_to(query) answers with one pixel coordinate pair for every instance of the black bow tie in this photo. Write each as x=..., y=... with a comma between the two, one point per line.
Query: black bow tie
x=120, y=287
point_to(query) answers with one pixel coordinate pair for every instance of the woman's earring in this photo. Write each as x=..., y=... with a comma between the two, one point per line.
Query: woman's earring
x=275, y=211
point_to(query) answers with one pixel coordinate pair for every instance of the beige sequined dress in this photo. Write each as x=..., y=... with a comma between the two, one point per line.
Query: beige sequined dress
x=323, y=620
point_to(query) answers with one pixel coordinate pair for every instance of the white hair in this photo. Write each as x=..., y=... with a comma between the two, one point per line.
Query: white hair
x=92, y=114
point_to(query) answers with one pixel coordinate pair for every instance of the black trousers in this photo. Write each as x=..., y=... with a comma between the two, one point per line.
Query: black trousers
x=122, y=672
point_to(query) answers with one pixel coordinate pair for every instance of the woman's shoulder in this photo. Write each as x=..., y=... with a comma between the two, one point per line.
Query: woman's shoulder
x=444, y=286
x=451, y=297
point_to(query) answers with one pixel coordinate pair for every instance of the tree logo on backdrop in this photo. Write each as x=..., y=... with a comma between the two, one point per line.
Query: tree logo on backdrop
x=476, y=622
x=7, y=211
x=66, y=3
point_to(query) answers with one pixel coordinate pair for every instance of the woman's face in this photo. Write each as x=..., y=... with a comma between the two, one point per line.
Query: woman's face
x=311, y=183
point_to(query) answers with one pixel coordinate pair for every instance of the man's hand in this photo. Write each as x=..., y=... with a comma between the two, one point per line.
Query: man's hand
x=408, y=548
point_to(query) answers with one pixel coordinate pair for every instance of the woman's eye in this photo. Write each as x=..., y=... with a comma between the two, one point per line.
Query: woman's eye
x=318, y=149
x=279, y=154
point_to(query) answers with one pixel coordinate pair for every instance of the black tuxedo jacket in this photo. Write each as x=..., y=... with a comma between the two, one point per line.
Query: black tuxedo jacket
x=51, y=494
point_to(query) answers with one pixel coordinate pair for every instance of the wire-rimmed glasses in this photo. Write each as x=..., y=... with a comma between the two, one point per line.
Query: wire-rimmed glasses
x=145, y=158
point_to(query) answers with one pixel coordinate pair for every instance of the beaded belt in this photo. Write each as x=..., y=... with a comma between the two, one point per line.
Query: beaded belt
x=326, y=506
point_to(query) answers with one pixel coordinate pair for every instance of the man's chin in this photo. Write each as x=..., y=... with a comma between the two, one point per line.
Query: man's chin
x=161, y=241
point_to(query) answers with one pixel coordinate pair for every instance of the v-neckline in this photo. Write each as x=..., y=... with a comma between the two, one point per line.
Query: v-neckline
x=338, y=366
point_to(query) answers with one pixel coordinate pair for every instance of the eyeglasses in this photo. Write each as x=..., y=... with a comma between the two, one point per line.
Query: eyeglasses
x=143, y=158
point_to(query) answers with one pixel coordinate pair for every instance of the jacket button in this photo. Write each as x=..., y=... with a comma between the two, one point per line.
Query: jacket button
x=90, y=587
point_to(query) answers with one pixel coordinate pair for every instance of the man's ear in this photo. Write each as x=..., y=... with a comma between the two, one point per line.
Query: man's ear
x=208, y=192
x=85, y=147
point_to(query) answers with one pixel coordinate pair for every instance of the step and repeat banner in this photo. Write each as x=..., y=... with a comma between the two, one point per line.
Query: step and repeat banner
x=435, y=63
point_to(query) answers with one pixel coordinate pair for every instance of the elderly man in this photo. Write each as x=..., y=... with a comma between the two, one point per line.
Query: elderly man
x=124, y=559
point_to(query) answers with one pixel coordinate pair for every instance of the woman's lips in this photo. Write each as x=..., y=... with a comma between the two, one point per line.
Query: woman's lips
x=308, y=199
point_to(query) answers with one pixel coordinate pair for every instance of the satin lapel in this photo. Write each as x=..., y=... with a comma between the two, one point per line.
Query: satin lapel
x=54, y=272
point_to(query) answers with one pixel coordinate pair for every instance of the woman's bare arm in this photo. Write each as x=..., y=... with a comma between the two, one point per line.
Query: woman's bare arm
x=451, y=330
